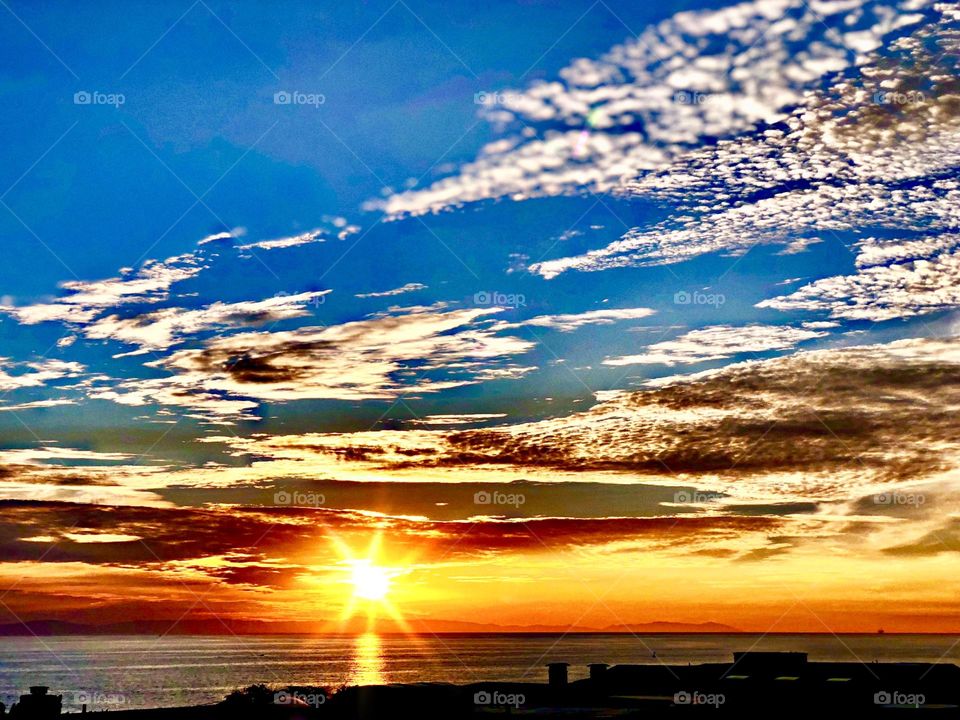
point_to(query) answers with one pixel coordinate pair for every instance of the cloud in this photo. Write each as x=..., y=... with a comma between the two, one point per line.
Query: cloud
x=36, y=374
x=778, y=219
x=51, y=402
x=698, y=75
x=826, y=426
x=286, y=242
x=944, y=539
x=158, y=537
x=868, y=151
x=759, y=457
x=161, y=329
x=573, y=321
x=894, y=279
x=403, y=350
x=800, y=245
x=718, y=342
x=85, y=299
x=409, y=287
x=464, y=419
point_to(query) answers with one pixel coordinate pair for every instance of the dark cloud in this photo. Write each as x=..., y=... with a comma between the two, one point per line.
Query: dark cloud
x=786, y=508
x=451, y=501
x=883, y=410
x=247, y=537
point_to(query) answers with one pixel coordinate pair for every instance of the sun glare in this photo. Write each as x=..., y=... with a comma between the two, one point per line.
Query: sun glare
x=370, y=582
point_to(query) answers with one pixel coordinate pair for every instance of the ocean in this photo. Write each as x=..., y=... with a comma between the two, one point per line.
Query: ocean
x=138, y=671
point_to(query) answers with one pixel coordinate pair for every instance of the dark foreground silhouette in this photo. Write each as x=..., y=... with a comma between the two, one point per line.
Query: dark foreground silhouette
x=755, y=684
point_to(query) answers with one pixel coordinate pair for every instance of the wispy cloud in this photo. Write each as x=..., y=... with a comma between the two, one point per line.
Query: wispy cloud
x=719, y=342
x=408, y=288
x=894, y=279
x=569, y=322
x=405, y=350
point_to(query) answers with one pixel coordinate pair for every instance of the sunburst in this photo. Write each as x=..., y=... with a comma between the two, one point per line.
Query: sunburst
x=370, y=583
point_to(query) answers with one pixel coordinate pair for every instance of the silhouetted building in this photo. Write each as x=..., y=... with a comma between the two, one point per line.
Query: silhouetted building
x=557, y=674
x=38, y=705
x=597, y=671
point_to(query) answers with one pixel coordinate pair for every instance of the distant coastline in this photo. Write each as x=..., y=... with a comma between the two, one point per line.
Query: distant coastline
x=54, y=628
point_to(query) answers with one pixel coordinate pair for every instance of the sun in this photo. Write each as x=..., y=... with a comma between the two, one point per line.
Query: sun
x=370, y=582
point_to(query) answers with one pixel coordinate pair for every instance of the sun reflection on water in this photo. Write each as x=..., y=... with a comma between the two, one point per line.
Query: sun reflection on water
x=367, y=667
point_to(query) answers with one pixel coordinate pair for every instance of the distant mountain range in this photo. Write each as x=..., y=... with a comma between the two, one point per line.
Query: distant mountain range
x=45, y=628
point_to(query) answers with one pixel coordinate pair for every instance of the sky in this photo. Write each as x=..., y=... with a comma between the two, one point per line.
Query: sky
x=529, y=314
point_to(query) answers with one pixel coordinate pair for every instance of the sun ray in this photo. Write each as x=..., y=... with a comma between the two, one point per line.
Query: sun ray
x=370, y=582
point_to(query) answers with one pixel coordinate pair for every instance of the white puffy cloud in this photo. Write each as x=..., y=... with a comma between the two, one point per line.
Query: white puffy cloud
x=402, y=351
x=894, y=279
x=697, y=75
x=868, y=151
x=718, y=343
x=161, y=329
x=86, y=299
x=35, y=374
